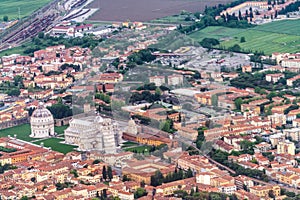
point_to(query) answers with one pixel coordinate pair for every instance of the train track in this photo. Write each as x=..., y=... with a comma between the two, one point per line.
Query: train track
x=41, y=20
x=30, y=27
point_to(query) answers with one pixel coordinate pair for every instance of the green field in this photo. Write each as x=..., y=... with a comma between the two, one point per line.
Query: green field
x=139, y=149
x=285, y=26
x=282, y=36
x=22, y=132
x=174, y=19
x=16, y=50
x=60, y=130
x=129, y=144
x=55, y=145
x=10, y=8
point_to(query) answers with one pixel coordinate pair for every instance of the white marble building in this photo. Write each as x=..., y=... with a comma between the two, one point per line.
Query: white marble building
x=42, y=123
x=93, y=133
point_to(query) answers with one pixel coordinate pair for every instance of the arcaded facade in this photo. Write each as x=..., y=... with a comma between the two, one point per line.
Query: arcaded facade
x=42, y=123
x=99, y=134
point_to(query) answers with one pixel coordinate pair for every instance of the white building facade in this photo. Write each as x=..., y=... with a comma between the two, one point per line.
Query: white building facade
x=100, y=134
x=42, y=123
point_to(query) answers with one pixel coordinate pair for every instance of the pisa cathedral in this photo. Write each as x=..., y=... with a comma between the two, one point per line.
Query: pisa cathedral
x=93, y=133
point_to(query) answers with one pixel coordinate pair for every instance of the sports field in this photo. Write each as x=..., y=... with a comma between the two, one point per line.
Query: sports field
x=10, y=8
x=281, y=36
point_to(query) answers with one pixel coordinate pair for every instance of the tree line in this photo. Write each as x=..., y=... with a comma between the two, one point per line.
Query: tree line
x=158, y=178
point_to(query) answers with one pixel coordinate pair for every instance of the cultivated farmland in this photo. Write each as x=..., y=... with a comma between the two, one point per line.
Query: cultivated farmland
x=10, y=8
x=145, y=10
x=285, y=26
x=269, y=38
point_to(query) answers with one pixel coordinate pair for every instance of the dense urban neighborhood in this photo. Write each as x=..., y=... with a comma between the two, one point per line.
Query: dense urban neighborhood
x=197, y=105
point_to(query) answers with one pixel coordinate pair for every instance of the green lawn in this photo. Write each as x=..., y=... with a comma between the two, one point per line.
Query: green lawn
x=10, y=8
x=55, y=145
x=60, y=130
x=139, y=149
x=257, y=39
x=129, y=144
x=22, y=132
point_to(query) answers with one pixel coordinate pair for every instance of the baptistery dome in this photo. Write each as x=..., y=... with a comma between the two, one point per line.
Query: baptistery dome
x=42, y=123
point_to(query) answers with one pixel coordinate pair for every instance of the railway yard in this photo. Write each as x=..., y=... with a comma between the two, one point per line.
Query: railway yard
x=41, y=20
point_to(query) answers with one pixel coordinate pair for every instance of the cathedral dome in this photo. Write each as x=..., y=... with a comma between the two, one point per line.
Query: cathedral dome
x=41, y=112
x=42, y=122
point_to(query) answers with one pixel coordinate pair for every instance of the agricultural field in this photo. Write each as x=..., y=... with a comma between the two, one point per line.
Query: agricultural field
x=291, y=27
x=56, y=145
x=144, y=10
x=10, y=8
x=264, y=38
x=173, y=19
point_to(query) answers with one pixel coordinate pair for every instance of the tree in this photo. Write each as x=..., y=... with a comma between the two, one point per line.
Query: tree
x=238, y=102
x=166, y=126
x=247, y=13
x=156, y=179
x=33, y=179
x=5, y=18
x=93, y=73
x=60, y=111
x=271, y=95
x=125, y=178
x=74, y=172
x=143, y=184
x=247, y=146
x=189, y=173
x=104, y=173
x=209, y=42
x=235, y=48
x=271, y=194
x=140, y=192
x=243, y=39
x=96, y=161
x=109, y=172
x=14, y=92
x=240, y=15
x=104, y=194
x=41, y=35
x=18, y=81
